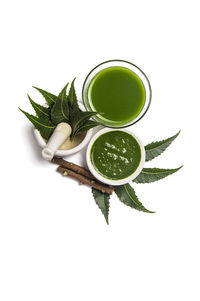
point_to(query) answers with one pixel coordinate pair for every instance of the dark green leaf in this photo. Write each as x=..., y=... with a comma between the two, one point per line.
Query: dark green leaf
x=73, y=110
x=85, y=127
x=72, y=98
x=50, y=98
x=149, y=175
x=154, y=149
x=45, y=127
x=64, y=102
x=126, y=195
x=41, y=111
x=103, y=202
x=79, y=118
x=59, y=111
x=63, y=91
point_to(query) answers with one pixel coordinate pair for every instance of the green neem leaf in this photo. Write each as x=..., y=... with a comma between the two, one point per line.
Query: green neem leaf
x=126, y=195
x=154, y=149
x=103, y=202
x=50, y=98
x=64, y=102
x=63, y=91
x=73, y=110
x=149, y=175
x=45, y=127
x=60, y=110
x=41, y=111
x=85, y=127
x=79, y=118
x=72, y=98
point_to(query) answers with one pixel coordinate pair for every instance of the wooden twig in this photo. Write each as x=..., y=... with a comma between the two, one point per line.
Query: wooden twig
x=78, y=169
x=84, y=180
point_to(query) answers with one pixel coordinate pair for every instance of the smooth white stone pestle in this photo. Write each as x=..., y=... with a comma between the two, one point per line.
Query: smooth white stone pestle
x=61, y=133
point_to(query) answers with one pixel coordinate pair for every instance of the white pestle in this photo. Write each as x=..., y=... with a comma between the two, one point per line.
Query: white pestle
x=61, y=133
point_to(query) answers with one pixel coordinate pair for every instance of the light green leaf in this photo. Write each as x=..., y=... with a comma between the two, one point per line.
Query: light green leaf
x=59, y=111
x=72, y=98
x=45, y=127
x=50, y=98
x=126, y=195
x=149, y=175
x=85, y=127
x=41, y=111
x=154, y=149
x=80, y=118
x=103, y=202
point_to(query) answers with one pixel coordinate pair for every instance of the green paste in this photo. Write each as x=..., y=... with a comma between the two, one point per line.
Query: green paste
x=115, y=155
x=118, y=94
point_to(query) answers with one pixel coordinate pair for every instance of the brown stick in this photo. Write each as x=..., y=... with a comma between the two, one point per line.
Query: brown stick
x=84, y=180
x=78, y=169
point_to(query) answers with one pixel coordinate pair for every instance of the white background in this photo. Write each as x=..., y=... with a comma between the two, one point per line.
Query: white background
x=54, y=242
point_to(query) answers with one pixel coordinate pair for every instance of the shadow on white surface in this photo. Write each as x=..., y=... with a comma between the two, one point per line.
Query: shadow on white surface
x=35, y=150
x=32, y=145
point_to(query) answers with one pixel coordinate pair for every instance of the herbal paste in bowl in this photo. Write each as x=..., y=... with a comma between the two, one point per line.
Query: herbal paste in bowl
x=115, y=156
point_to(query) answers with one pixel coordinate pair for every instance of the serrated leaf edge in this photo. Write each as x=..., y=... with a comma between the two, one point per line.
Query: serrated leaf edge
x=106, y=217
x=72, y=93
x=172, y=138
x=145, y=210
x=47, y=94
x=35, y=119
x=166, y=171
x=33, y=103
x=163, y=169
x=140, y=206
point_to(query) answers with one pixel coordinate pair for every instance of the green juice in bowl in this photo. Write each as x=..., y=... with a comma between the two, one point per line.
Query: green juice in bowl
x=119, y=91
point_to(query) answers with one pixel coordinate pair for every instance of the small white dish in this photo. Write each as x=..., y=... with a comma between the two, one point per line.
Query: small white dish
x=62, y=153
x=109, y=181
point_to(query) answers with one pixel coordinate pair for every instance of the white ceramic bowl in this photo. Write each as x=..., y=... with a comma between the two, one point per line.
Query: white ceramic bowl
x=109, y=181
x=62, y=153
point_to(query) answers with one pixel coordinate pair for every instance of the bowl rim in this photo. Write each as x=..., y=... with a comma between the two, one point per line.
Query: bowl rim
x=109, y=181
x=66, y=152
x=145, y=82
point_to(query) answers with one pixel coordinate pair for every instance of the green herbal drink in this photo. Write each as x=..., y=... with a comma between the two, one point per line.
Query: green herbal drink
x=115, y=155
x=118, y=94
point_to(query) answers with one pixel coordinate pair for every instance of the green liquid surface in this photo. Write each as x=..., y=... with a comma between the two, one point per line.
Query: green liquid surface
x=115, y=155
x=118, y=94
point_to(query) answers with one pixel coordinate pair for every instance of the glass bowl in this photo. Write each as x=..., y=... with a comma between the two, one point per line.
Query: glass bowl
x=131, y=67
